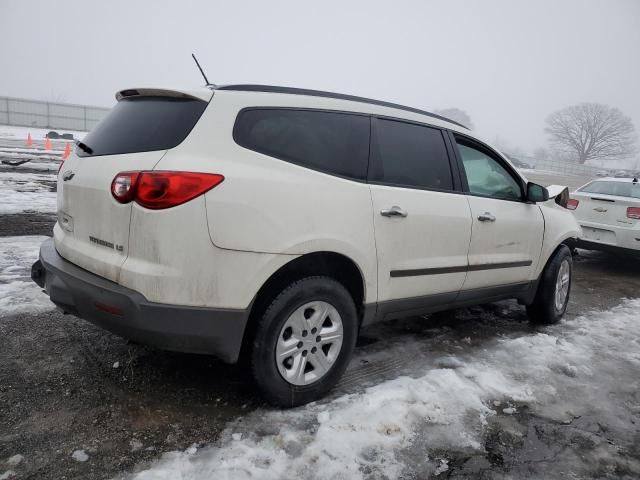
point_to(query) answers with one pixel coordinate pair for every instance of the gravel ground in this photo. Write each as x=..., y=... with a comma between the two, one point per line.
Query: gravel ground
x=66, y=385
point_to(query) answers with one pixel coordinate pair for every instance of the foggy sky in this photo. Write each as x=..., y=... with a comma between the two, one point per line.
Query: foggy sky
x=508, y=63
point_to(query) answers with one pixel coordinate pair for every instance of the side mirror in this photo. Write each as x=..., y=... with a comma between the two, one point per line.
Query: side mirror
x=536, y=193
x=562, y=198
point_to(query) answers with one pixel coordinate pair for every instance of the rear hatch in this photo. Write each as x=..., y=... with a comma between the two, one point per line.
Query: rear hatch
x=93, y=228
x=606, y=203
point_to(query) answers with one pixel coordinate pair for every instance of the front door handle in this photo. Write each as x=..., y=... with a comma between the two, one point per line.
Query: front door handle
x=487, y=217
x=394, y=212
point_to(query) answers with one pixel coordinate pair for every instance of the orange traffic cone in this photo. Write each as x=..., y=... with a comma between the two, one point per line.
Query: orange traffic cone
x=67, y=152
x=29, y=140
x=47, y=143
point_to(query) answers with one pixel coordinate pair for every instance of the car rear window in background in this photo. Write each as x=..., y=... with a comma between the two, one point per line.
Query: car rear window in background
x=620, y=189
x=335, y=143
x=410, y=155
x=143, y=124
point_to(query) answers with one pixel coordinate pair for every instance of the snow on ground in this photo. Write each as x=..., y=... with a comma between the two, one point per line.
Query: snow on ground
x=33, y=164
x=26, y=192
x=11, y=132
x=18, y=293
x=80, y=456
x=29, y=154
x=561, y=372
x=26, y=181
x=529, y=171
x=12, y=201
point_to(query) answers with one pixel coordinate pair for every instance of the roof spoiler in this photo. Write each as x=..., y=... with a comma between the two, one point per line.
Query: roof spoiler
x=200, y=94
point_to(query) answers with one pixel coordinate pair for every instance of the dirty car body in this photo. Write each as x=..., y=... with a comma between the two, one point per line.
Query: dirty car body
x=283, y=220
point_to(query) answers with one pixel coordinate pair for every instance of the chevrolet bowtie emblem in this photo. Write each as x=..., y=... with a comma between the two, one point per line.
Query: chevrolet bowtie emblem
x=600, y=209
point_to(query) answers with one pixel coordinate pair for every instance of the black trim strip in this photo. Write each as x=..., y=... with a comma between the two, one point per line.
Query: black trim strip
x=495, y=266
x=466, y=268
x=404, y=307
x=337, y=96
x=427, y=271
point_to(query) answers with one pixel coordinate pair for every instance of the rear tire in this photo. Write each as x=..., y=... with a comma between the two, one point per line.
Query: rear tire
x=304, y=341
x=552, y=297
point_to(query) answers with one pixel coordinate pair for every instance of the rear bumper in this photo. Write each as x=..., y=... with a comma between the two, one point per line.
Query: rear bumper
x=128, y=314
x=606, y=247
x=619, y=238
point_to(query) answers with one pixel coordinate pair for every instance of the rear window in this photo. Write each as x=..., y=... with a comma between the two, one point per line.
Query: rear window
x=620, y=189
x=143, y=124
x=410, y=155
x=332, y=142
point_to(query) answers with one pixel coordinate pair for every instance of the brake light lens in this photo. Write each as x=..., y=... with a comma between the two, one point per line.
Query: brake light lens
x=160, y=189
x=123, y=186
x=572, y=204
x=633, y=212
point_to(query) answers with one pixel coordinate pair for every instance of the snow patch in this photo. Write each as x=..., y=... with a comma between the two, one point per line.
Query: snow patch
x=12, y=202
x=18, y=293
x=364, y=435
x=135, y=445
x=15, y=460
x=11, y=132
x=80, y=456
x=443, y=467
x=26, y=192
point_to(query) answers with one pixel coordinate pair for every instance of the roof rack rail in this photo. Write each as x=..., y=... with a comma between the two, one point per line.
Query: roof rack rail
x=338, y=96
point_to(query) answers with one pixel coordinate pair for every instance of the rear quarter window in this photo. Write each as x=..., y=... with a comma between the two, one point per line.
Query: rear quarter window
x=332, y=142
x=143, y=124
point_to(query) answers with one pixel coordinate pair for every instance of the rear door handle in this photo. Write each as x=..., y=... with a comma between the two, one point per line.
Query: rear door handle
x=394, y=212
x=487, y=217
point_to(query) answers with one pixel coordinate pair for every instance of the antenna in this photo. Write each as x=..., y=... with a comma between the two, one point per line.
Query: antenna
x=206, y=80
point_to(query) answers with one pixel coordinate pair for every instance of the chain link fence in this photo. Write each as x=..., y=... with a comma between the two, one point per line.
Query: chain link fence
x=569, y=168
x=21, y=112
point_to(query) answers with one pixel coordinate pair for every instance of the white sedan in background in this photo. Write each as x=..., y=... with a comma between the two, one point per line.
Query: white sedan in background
x=608, y=210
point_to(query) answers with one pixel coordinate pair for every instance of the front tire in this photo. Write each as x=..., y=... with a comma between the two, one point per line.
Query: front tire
x=552, y=297
x=304, y=341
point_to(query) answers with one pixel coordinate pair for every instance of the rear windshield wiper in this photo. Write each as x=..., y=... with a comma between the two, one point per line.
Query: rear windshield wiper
x=84, y=147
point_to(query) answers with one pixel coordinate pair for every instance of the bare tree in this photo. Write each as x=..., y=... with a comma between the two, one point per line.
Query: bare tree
x=456, y=115
x=591, y=131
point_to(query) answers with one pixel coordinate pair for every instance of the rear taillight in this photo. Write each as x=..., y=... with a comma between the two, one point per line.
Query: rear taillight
x=633, y=212
x=123, y=186
x=572, y=204
x=157, y=189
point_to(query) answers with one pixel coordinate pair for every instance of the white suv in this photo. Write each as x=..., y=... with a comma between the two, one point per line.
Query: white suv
x=273, y=223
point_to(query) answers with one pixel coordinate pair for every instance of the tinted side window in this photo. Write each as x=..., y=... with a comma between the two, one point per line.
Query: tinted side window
x=486, y=176
x=410, y=155
x=143, y=124
x=336, y=143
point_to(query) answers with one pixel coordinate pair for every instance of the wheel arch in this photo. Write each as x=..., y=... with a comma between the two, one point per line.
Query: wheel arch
x=327, y=263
